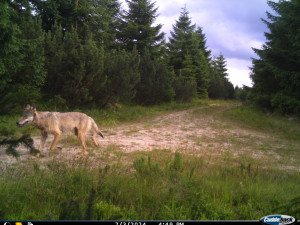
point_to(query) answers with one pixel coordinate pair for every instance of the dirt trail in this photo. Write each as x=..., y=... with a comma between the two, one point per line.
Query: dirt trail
x=197, y=131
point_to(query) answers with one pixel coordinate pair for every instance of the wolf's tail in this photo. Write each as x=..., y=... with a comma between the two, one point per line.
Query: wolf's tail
x=96, y=128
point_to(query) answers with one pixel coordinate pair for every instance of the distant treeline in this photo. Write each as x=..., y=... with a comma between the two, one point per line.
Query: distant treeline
x=93, y=52
x=76, y=52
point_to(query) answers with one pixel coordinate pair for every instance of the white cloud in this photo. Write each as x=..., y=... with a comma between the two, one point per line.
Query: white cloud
x=239, y=71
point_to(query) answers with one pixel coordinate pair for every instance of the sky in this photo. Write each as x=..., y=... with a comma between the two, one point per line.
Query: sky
x=232, y=27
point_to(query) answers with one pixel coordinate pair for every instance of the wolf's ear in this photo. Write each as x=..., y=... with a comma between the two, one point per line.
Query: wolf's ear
x=28, y=107
x=33, y=107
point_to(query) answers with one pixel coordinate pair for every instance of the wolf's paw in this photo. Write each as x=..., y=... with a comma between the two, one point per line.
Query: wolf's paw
x=37, y=155
x=56, y=149
x=78, y=156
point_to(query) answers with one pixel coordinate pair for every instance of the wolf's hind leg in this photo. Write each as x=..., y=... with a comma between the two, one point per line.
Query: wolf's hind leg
x=81, y=137
x=95, y=141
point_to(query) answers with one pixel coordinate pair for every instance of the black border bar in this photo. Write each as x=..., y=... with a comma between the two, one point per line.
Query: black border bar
x=134, y=222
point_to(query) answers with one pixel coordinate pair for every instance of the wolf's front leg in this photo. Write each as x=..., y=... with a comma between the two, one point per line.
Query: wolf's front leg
x=44, y=136
x=56, y=137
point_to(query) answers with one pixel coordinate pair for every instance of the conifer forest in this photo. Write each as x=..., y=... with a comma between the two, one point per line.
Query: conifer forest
x=73, y=53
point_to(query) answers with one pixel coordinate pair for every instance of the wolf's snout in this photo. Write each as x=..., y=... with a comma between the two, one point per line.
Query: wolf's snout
x=20, y=124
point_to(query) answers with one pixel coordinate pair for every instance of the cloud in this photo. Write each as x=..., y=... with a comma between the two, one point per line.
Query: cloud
x=238, y=70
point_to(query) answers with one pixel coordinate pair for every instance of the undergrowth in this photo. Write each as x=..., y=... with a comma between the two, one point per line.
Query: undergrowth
x=172, y=187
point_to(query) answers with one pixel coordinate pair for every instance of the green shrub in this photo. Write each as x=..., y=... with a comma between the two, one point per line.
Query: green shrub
x=108, y=211
x=185, y=90
x=285, y=104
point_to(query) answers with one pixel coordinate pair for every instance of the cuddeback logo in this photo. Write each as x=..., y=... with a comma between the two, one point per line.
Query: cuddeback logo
x=278, y=220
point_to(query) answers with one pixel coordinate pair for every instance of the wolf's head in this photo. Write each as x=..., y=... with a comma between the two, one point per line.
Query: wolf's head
x=27, y=116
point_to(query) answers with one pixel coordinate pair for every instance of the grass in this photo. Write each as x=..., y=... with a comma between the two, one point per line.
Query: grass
x=251, y=117
x=159, y=185
x=281, y=137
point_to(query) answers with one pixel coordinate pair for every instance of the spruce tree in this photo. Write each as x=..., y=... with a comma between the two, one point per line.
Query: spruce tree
x=276, y=73
x=137, y=27
x=65, y=13
x=220, y=66
x=101, y=18
x=202, y=71
x=185, y=83
x=105, y=22
x=220, y=87
x=188, y=55
x=181, y=40
x=201, y=39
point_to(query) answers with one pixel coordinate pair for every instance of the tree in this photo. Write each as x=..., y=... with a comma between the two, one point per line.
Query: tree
x=96, y=18
x=201, y=39
x=220, y=66
x=181, y=42
x=185, y=84
x=105, y=22
x=189, y=56
x=241, y=93
x=72, y=64
x=22, y=57
x=138, y=32
x=63, y=13
x=185, y=90
x=137, y=27
x=118, y=79
x=276, y=74
x=156, y=81
x=10, y=55
x=32, y=73
x=220, y=86
x=202, y=67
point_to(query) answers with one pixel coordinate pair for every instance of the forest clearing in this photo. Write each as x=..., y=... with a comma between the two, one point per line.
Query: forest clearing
x=197, y=131
x=234, y=166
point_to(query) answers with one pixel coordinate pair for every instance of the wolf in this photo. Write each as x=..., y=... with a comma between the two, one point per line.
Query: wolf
x=57, y=123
